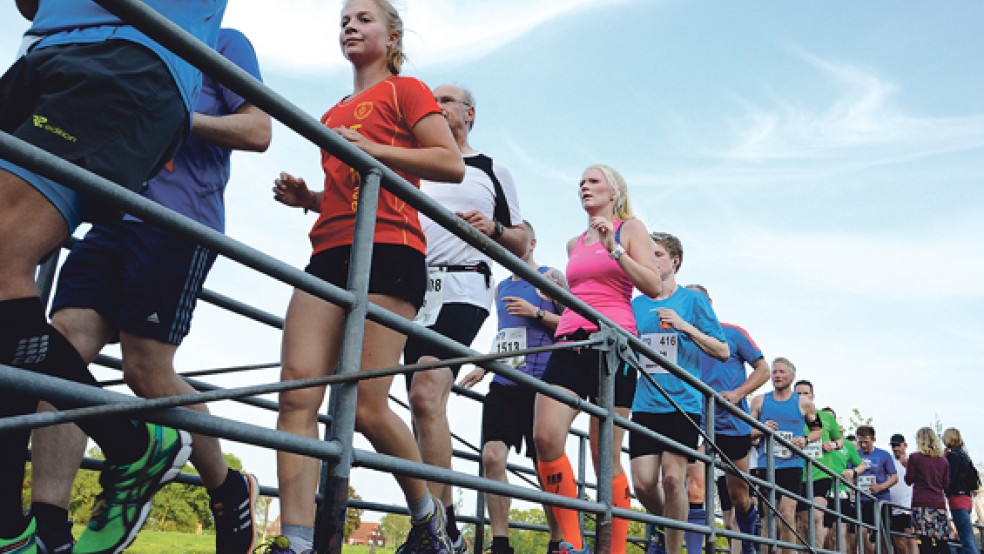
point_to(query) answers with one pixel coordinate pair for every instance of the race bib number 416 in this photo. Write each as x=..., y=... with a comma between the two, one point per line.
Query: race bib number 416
x=665, y=344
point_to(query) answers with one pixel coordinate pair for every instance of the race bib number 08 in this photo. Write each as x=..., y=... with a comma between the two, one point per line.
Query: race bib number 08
x=433, y=298
x=512, y=339
x=813, y=449
x=665, y=344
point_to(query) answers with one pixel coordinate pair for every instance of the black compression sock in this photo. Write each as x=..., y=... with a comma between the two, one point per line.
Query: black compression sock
x=28, y=341
x=452, y=525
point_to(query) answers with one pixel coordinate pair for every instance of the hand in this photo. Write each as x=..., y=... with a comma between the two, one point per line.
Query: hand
x=876, y=488
x=519, y=307
x=732, y=396
x=473, y=378
x=478, y=220
x=669, y=319
x=292, y=191
x=772, y=425
x=606, y=231
x=798, y=442
x=357, y=139
x=829, y=446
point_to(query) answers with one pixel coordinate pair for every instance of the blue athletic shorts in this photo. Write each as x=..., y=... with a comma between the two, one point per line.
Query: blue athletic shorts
x=143, y=279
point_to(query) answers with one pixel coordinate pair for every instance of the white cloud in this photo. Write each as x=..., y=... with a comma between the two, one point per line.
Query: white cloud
x=302, y=34
x=862, y=117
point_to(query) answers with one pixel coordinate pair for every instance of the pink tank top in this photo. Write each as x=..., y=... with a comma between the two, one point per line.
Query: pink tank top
x=600, y=282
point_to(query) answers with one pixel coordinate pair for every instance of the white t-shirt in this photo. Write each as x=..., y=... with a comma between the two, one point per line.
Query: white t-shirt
x=475, y=192
x=900, y=493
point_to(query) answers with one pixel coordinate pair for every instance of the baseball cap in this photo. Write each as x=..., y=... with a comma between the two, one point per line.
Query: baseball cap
x=896, y=439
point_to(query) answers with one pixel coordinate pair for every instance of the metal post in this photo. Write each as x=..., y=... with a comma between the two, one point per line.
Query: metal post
x=770, y=476
x=480, y=501
x=606, y=433
x=582, y=472
x=46, y=275
x=811, y=532
x=877, y=508
x=330, y=519
x=709, y=482
x=839, y=536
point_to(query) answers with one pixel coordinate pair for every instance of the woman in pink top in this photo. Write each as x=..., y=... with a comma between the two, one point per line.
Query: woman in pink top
x=929, y=473
x=613, y=256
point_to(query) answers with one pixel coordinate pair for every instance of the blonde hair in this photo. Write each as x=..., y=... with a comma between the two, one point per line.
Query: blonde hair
x=395, y=56
x=928, y=443
x=623, y=206
x=952, y=438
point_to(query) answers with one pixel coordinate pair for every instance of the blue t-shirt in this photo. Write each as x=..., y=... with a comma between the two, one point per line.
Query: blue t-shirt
x=193, y=183
x=789, y=419
x=535, y=332
x=880, y=464
x=694, y=308
x=84, y=21
x=729, y=375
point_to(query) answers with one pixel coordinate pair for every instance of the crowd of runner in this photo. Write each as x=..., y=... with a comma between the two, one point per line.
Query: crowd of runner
x=167, y=132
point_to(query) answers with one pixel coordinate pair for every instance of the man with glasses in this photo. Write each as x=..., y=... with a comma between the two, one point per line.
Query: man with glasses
x=459, y=290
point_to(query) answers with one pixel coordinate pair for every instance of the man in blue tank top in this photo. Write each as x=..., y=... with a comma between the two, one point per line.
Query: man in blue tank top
x=787, y=413
x=68, y=95
x=527, y=319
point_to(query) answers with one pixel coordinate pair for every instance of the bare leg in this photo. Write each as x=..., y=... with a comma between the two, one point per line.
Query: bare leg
x=312, y=334
x=428, y=398
x=494, y=456
x=148, y=368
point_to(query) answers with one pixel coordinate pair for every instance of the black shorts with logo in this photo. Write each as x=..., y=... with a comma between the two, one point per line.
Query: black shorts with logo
x=507, y=416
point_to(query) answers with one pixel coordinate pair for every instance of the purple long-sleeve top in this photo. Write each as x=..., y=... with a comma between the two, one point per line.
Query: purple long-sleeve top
x=928, y=477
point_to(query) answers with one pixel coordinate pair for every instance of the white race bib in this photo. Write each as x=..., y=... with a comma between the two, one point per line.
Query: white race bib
x=510, y=339
x=664, y=343
x=781, y=450
x=865, y=482
x=814, y=449
x=433, y=298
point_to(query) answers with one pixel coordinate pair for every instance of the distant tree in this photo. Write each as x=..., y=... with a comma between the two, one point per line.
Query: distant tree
x=353, y=516
x=857, y=420
x=937, y=425
x=528, y=542
x=395, y=528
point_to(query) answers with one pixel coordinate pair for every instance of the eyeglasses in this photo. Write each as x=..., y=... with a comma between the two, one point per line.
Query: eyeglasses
x=451, y=100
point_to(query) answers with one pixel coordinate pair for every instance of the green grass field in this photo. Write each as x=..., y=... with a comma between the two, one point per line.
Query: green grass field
x=157, y=542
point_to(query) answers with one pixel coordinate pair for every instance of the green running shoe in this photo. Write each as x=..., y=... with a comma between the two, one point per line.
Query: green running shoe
x=22, y=544
x=122, y=506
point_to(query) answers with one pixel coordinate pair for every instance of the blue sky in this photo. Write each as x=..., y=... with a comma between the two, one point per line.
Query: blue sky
x=822, y=163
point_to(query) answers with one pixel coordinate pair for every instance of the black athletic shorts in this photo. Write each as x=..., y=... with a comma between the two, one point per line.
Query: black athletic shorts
x=787, y=478
x=507, y=416
x=821, y=488
x=111, y=107
x=847, y=508
x=734, y=447
x=723, y=496
x=901, y=522
x=456, y=321
x=398, y=271
x=672, y=425
x=577, y=370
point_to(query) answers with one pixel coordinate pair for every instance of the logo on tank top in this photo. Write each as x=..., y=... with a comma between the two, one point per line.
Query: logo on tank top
x=363, y=110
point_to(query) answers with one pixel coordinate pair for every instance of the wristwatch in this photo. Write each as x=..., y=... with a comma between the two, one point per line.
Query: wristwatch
x=540, y=314
x=497, y=232
x=617, y=252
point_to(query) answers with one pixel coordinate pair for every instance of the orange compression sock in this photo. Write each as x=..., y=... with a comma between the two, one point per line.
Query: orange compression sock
x=557, y=477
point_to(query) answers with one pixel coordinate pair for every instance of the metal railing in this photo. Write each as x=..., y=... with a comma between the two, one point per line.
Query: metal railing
x=336, y=452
